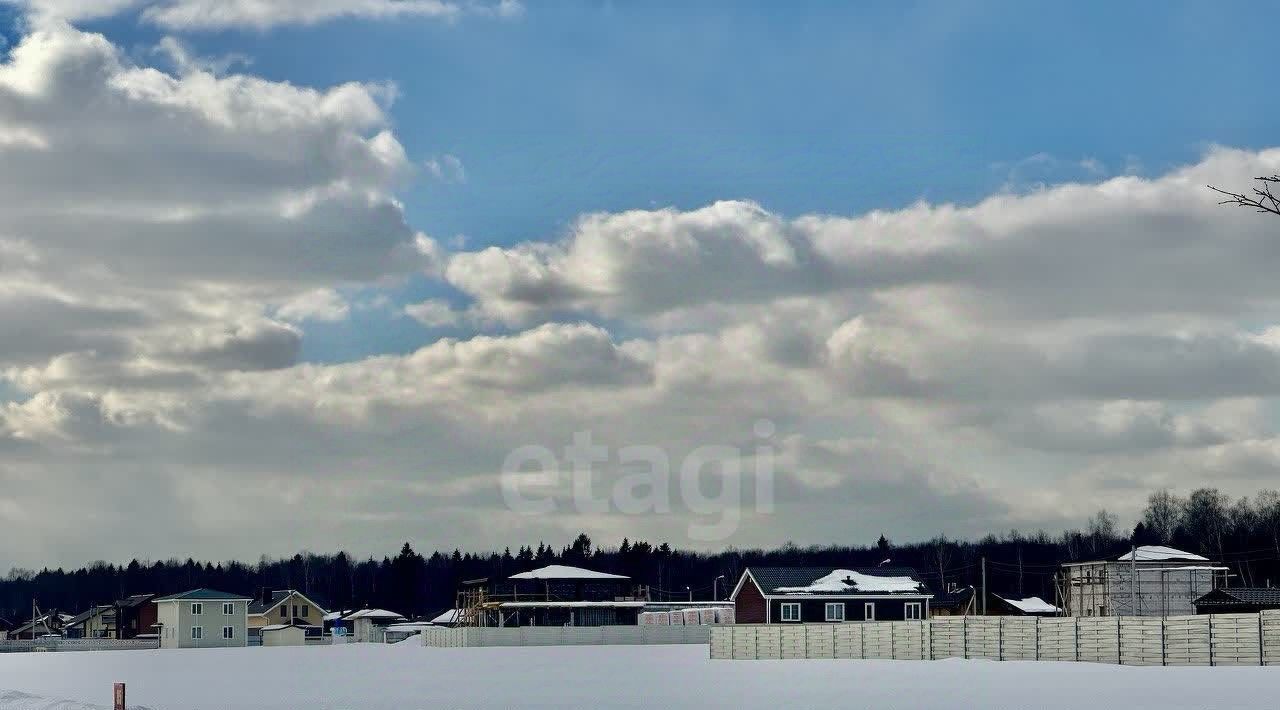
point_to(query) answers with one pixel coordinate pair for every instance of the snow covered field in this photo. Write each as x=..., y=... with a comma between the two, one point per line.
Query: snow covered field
x=409, y=676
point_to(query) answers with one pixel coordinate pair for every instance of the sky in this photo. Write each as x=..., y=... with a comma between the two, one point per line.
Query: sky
x=280, y=275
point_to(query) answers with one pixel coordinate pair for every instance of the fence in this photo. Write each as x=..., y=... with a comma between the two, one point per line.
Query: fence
x=565, y=635
x=1216, y=640
x=61, y=644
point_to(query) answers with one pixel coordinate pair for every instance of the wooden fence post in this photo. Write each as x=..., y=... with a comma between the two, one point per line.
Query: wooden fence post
x=119, y=697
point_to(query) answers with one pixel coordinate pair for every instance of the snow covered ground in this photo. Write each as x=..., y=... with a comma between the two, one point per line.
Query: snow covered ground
x=408, y=676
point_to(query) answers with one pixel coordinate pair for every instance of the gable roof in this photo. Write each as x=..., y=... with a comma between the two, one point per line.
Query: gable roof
x=1029, y=605
x=374, y=614
x=203, y=594
x=1263, y=596
x=565, y=572
x=257, y=606
x=88, y=614
x=830, y=581
x=135, y=600
x=954, y=599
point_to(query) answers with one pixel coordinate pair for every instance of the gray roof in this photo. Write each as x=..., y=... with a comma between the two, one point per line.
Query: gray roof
x=1263, y=596
x=257, y=606
x=134, y=600
x=771, y=578
x=203, y=594
x=88, y=614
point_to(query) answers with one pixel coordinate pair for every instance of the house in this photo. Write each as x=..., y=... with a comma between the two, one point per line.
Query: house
x=1151, y=580
x=283, y=634
x=771, y=595
x=98, y=622
x=1020, y=606
x=136, y=616
x=287, y=606
x=558, y=595
x=370, y=625
x=6, y=626
x=203, y=618
x=1238, y=600
x=49, y=624
x=956, y=601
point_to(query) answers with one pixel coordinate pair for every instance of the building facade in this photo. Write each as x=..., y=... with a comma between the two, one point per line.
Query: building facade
x=203, y=618
x=777, y=595
x=287, y=606
x=1151, y=580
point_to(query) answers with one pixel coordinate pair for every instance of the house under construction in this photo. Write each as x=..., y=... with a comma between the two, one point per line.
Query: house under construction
x=556, y=595
x=1151, y=580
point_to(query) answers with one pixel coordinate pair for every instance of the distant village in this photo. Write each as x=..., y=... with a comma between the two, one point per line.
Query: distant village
x=1149, y=580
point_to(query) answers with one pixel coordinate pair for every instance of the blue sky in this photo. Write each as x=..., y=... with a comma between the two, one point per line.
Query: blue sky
x=811, y=107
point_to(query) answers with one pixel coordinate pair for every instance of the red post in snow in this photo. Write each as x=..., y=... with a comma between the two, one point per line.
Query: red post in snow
x=119, y=703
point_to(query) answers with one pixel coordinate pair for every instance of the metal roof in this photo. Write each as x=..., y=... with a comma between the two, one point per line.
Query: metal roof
x=203, y=594
x=1262, y=596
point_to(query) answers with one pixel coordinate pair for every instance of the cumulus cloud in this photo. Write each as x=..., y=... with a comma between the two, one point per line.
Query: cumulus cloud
x=936, y=368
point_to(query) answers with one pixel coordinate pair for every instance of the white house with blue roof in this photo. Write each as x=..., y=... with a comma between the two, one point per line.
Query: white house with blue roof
x=203, y=618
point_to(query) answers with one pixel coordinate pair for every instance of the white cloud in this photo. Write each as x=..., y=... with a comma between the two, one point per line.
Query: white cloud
x=193, y=15
x=447, y=169
x=433, y=313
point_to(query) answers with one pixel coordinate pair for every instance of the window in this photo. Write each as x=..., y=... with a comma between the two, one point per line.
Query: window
x=912, y=611
x=304, y=611
x=284, y=611
x=197, y=633
x=228, y=632
x=791, y=611
x=197, y=609
x=228, y=608
x=835, y=611
x=869, y=611
x=295, y=609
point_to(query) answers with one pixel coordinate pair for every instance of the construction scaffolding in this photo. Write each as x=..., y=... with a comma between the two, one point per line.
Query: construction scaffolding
x=1127, y=588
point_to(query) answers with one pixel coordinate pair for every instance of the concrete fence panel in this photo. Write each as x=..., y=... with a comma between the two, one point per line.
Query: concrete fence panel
x=1186, y=641
x=1057, y=639
x=1018, y=638
x=1235, y=639
x=1141, y=641
x=947, y=637
x=1270, y=623
x=848, y=639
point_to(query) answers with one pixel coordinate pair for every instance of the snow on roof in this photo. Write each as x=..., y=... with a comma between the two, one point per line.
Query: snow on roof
x=374, y=614
x=449, y=617
x=1158, y=553
x=847, y=580
x=410, y=626
x=280, y=627
x=565, y=572
x=335, y=615
x=1031, y=605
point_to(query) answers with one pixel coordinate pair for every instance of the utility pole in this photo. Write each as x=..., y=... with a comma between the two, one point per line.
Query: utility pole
x=984, y=586
x=1133, y=583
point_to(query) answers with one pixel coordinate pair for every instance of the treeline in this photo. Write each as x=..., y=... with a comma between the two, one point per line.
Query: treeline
x=1244, y=534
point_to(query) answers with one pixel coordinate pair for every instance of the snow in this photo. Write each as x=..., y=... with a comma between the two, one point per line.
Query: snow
x=335, y=615
x=1032, y=605
x=862, y=583
x=565, y=572
x=449, y=617
x=408, y=676
x=374, y=614
x=1158, y=553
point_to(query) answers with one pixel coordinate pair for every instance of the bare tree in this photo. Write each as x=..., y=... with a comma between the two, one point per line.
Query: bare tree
x=1261, y=199
x=1163, y=514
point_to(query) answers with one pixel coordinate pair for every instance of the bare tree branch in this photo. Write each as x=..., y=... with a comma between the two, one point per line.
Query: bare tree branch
x=1262, y=198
